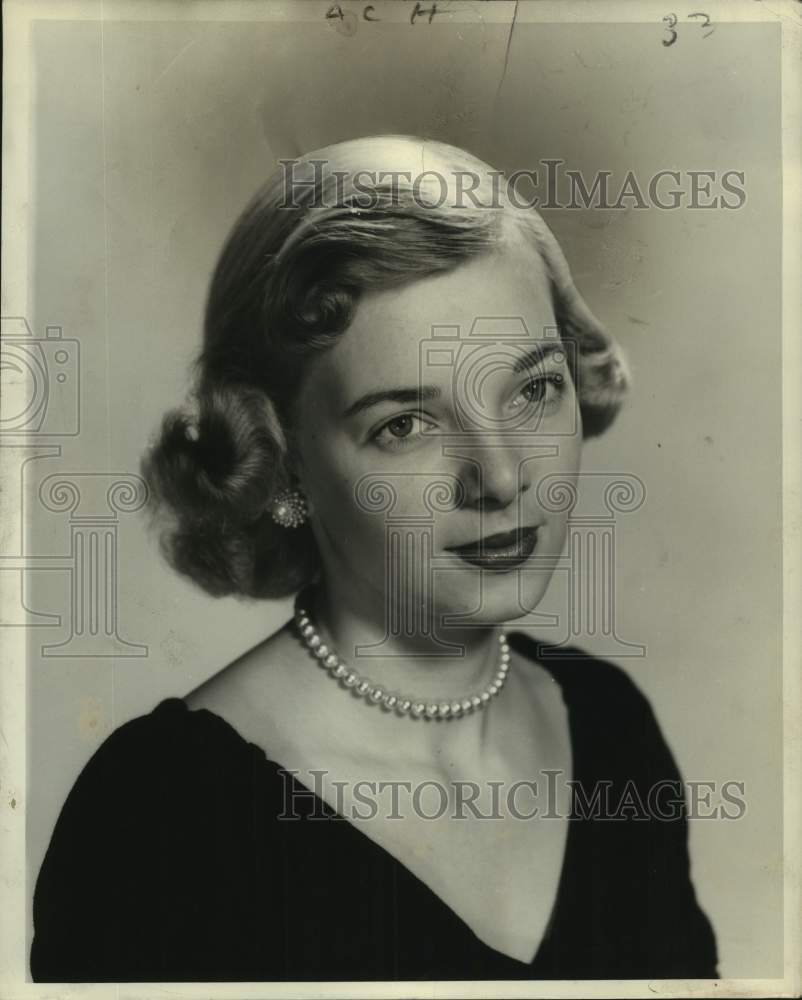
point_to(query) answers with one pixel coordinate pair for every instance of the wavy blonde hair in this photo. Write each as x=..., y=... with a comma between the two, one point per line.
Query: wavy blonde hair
x=286, y=285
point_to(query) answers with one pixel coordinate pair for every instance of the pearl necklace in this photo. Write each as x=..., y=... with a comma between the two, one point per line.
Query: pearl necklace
x=400, y=704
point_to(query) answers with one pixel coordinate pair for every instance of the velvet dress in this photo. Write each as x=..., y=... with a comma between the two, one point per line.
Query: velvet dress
x=170, y=862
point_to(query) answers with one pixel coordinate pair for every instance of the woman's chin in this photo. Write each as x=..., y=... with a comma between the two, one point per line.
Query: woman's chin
x=489, y=597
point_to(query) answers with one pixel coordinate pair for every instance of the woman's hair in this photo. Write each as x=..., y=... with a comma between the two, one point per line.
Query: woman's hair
x=325, y=229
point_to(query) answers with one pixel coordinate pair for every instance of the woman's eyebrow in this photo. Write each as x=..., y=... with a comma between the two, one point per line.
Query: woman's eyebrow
x=415, y=395
x=533, y=357
x=537, y=355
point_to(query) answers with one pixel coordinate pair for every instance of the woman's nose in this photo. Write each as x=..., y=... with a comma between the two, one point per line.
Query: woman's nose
x=492, y=474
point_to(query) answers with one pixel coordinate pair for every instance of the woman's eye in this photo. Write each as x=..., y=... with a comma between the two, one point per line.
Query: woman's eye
x=400, y=427
x=400, y=431
x=542, y=390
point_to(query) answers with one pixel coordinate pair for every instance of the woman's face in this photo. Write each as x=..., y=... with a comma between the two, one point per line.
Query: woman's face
x=423, y=436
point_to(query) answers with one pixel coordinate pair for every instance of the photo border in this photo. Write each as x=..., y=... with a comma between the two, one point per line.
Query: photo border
x=18, y=213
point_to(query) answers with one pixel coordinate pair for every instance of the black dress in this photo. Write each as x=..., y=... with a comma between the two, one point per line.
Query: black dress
x=168, y=862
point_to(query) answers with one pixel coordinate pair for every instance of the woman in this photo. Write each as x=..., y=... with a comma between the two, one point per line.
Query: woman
x=392, y=373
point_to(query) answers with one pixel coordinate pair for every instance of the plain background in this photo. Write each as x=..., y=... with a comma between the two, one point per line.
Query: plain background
x=148, y=140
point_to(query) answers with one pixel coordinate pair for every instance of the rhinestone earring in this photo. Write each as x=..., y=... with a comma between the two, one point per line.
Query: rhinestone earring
x=289, y=509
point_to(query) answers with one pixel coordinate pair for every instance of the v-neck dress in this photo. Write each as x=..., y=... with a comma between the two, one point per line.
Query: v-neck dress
x=173, y=860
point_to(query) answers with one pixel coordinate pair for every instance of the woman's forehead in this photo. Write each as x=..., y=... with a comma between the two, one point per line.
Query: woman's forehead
x=506, y=290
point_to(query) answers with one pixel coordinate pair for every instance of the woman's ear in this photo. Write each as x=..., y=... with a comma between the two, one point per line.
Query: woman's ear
x=298, y=485
x=293, y=459
x=295, y=472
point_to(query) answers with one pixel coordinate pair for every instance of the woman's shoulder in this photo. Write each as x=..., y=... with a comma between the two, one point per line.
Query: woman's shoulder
x=165, y=804
x=582, y=675
x=170, y=735
x=610, y=714
x=169, y=761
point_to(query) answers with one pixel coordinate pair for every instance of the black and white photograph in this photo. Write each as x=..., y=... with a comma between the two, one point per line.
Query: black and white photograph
x=400, y=456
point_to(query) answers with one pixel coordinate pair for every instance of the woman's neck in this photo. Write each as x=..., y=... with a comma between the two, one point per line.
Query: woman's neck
x=433, y=664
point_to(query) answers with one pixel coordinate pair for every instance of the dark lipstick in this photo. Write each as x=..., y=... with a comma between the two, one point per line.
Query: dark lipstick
x=503, y=551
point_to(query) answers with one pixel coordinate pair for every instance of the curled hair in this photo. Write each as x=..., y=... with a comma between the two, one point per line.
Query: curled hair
x=286, y=285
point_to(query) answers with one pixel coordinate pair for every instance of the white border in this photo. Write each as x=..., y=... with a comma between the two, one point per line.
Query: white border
x=17, y=214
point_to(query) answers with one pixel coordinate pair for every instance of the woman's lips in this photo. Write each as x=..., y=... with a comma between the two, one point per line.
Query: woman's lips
x=503, y=551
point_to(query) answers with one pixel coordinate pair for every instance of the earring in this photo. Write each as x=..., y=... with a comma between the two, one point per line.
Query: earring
x=289, y=509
